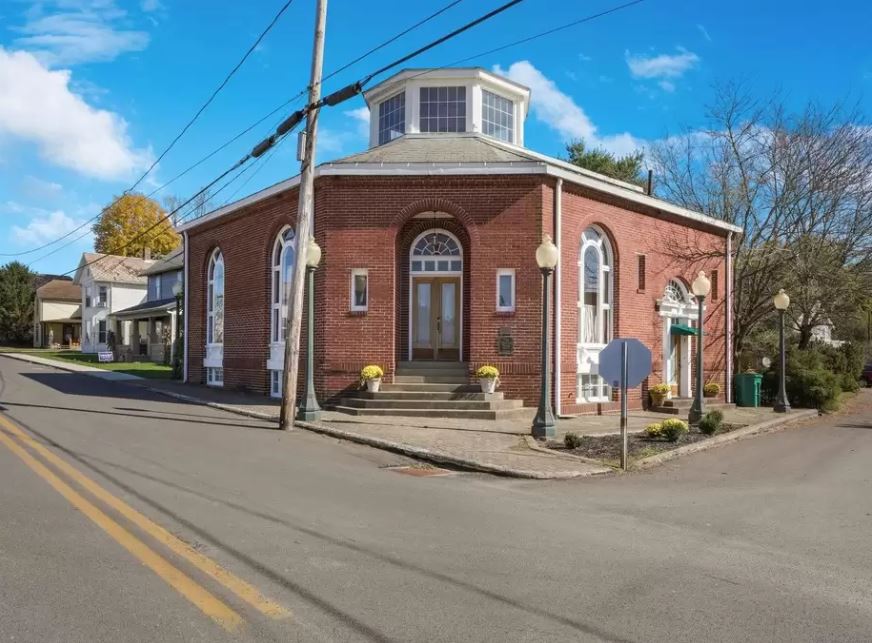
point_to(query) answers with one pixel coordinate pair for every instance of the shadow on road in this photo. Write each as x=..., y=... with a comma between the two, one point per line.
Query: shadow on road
x=350, y=621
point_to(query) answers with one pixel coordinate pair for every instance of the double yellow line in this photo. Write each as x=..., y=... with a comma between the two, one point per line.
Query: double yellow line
x=207, y=602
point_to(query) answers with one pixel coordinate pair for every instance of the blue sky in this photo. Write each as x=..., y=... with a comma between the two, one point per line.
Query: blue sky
x=92, y=90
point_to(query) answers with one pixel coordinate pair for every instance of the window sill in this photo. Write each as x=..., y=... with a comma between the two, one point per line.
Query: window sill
x=505, y=313
x=357, y=313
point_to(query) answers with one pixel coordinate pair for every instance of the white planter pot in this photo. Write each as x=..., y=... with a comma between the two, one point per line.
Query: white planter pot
x=488, y=384
x=373, y=385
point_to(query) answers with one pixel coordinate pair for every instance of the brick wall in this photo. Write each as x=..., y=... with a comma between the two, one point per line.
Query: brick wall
x=370, y=222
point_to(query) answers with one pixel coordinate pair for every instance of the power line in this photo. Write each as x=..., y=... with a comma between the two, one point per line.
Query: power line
x=172, y=144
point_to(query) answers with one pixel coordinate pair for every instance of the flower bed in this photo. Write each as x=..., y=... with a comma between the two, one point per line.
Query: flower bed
x=608, y=447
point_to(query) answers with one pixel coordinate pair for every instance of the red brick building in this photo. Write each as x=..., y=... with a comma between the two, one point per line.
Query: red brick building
x=429, y=242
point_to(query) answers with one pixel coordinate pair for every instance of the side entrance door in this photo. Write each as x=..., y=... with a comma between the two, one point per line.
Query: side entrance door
x=436, y=318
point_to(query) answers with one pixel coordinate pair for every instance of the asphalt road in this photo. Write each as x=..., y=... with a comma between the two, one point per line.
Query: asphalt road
x=297, y=537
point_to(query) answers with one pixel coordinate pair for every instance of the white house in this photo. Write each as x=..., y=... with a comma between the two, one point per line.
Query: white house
x=57, y=314
x=109, y=284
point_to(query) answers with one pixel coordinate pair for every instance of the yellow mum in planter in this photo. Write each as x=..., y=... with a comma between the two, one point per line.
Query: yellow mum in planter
x=487, y=373
x=660, y=389
x=712, y=389
x=371, y=372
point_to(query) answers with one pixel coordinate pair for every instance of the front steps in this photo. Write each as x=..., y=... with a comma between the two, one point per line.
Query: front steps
x=431, y=389
x=681, y=405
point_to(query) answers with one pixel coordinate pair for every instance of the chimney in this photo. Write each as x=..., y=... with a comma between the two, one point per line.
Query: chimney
x=146, y=254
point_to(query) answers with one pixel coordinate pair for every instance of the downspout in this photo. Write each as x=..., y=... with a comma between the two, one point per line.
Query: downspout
x=728, y=344
x=558, y=298
x=185, y=313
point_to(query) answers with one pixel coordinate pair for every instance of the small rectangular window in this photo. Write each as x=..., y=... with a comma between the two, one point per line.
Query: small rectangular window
x=275, y=383
x=443, y=109
x=715, y=290
x=359, y=289
x=497, y=116
x=101, y=331
x=102, y=295
x=391, y=118
x=215, y=376
x=505, y=290
x=642, y=275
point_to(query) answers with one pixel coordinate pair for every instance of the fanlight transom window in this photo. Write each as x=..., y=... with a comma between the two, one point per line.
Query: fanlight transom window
x=436, y=251
x=676, y=293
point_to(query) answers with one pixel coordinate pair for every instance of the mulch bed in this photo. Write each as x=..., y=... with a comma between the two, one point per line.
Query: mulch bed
x=608, y=447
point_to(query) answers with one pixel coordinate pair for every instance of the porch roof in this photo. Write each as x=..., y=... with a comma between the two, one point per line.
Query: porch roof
x=149, y=308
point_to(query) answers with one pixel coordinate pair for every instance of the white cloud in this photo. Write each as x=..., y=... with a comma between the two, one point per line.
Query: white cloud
x=704, y=32
x=584, y=58
x=561, y=113
x=79, y=32
x=44, y=228
x=151, y=5
x=37, y=105
x=661, y=66
x=361, y=116
x=36, y=189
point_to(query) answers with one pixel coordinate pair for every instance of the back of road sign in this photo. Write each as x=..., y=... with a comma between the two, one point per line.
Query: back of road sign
x=638, y=362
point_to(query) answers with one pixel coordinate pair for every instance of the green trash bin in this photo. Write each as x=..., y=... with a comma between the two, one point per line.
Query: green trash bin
x=748, y=386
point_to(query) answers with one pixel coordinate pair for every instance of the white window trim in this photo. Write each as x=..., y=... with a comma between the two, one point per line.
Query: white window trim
x=282, y=246
x=210, y=290
x=357, y=272
x=505, y=272
x=606, y=256
x=214, y=381
x=514, y=104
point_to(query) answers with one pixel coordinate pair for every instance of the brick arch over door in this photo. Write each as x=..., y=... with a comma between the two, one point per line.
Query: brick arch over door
x=403, y=245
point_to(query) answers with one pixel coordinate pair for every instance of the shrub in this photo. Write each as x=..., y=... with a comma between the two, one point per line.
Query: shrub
x=572, y=440
x=673, y=428
x=654, y=430
x=712, y=389
x=371, y=372
x=487, y=372
x=660, y=389
x=711, y=422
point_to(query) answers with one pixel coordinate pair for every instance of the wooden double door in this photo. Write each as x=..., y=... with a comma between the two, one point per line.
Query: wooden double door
x=436, y=320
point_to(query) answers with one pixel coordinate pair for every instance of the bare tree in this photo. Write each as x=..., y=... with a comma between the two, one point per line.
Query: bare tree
x=800, y=186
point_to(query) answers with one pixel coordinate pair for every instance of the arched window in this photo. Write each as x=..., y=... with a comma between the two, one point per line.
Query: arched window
x=676, y=293
x=595, y=299
x=595, y=294
x=215, y=324
x=283, y=255
x=436, y=251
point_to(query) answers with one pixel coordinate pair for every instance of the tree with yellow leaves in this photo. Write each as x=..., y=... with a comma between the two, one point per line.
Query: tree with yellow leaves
x=121, y=229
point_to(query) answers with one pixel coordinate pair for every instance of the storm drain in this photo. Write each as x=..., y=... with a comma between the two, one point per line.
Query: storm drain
x=420, y=471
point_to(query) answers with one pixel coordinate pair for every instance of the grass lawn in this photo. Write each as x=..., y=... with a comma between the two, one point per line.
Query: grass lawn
x=150, y=370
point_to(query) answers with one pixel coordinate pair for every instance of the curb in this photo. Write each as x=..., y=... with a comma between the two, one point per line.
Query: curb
x=769, y=426
x=109, y=376
x=440, y=457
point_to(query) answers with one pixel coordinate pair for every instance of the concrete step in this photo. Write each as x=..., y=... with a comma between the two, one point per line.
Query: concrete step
x=432, y=365
x=460, y=405
x=427, y=378
x=458, y=414
x=430, y=388
x=471, y=395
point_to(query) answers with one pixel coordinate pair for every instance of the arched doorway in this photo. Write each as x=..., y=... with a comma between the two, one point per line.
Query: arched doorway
x=679, y=311
x=436, y=296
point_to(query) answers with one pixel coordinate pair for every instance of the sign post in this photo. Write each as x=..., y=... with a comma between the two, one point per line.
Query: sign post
x=624, y=364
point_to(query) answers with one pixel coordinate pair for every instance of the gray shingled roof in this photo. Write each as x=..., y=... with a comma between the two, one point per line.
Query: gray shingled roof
x=436, y=149
x=115, y=269
x=60, y=290
x=175, y=260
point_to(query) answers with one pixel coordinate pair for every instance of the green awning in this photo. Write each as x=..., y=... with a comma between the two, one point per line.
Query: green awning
x=681, y=329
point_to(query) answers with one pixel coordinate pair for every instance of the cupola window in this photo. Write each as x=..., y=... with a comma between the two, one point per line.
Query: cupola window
x=497, y=116
x=392, y=118
x=443, y=109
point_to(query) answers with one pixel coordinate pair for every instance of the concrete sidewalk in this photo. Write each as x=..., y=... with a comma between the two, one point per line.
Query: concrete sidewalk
x=93, y=371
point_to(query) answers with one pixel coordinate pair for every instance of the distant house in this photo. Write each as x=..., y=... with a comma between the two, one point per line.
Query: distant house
x=57, y=314
x=109, y=284
x=148, y=328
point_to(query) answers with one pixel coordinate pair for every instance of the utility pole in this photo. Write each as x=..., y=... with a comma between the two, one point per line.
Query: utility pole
x=305, y=227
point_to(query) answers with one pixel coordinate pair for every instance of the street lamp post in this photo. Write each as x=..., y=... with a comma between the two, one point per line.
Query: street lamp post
x=544, y=424
x=309, y=410
x=781, y=301
x=177, y=345
x=700, y=287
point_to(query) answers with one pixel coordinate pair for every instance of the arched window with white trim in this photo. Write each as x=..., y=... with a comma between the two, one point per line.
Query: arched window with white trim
x=283, y=256
x=215, y=303
x=595, y=315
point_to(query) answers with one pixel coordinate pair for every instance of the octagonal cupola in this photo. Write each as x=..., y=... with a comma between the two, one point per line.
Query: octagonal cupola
x=447, y=101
